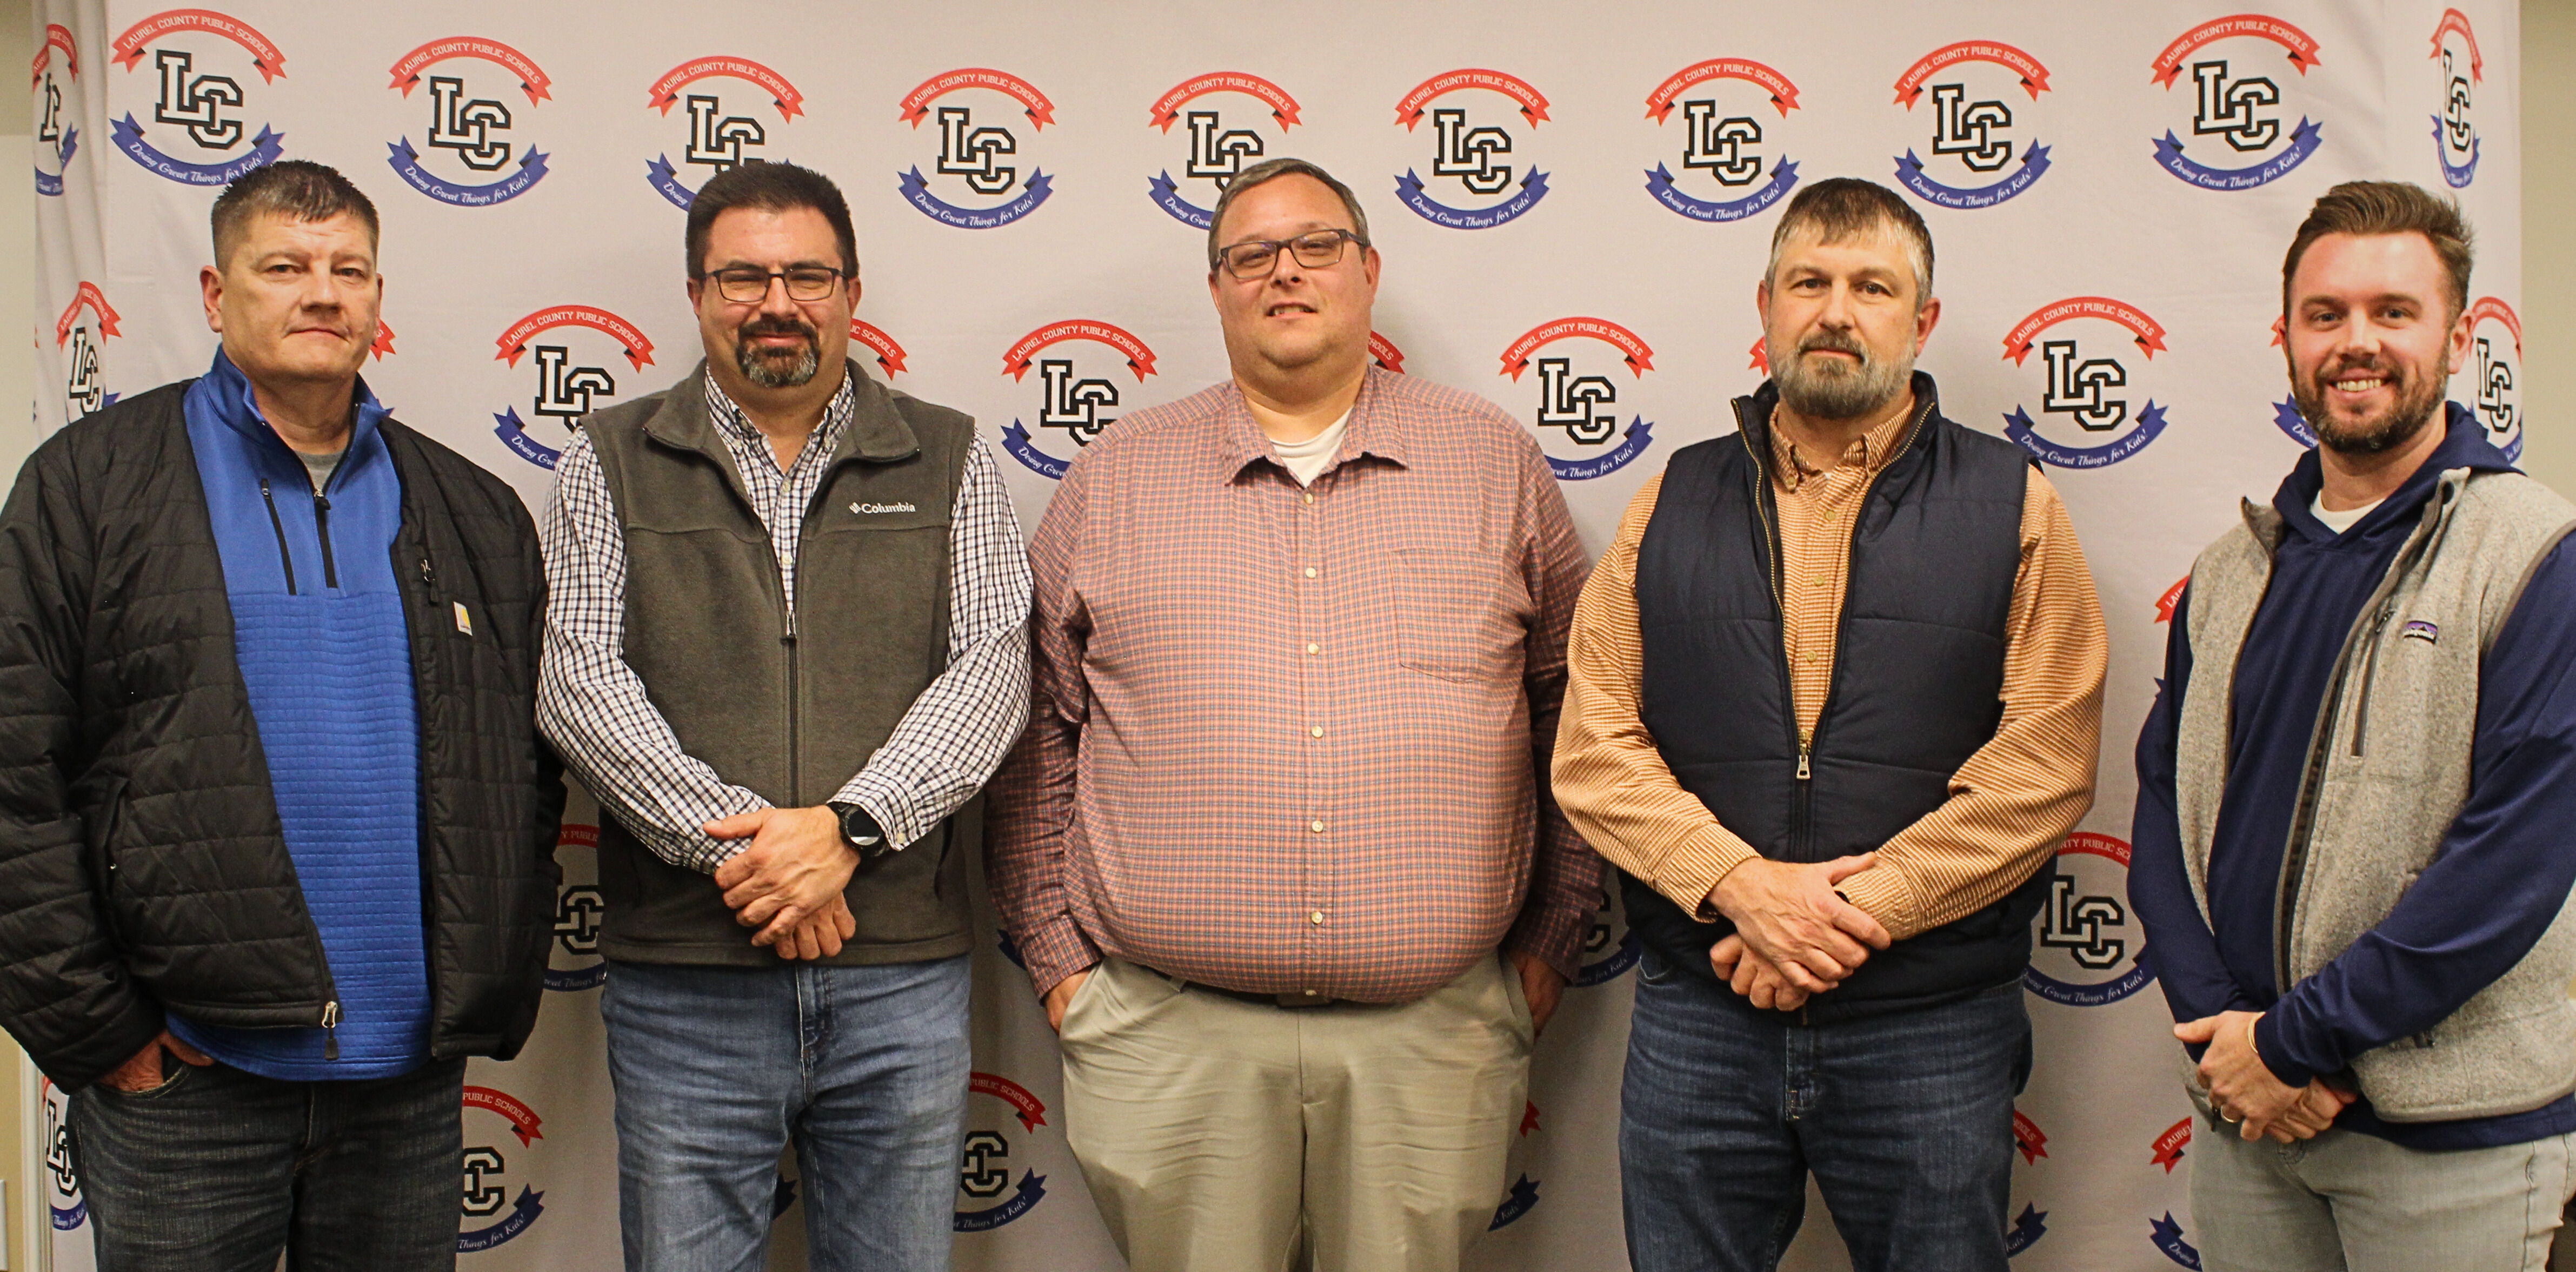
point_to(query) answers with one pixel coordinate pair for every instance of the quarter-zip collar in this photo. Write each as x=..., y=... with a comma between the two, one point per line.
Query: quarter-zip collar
x=228, y=398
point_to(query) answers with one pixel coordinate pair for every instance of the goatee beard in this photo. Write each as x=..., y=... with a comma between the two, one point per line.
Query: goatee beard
x=778, y=369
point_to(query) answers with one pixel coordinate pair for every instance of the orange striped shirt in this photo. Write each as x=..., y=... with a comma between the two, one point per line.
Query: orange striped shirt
x=2010, y=803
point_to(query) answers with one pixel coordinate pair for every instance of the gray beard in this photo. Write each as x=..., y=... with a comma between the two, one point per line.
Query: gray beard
x=775, y=372
x=1839, y=394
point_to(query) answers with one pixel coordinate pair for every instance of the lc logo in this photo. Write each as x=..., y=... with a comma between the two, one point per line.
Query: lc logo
x=2235, y=104
x=2087, y=955
x=572, y=376
x=2455, y=134
x=2083, y=386
x=54, y=128
x=200, y=131
x=1609, y=949
x=1078, y=391
x=64, y=1204
x=987, y=1199
x=1217, y=150
x=979, y=156
x=81, y=340
x=1722, y=137
x=1472, y=150
x=2495, y=357
x=472, y=130
x=490, y=1216
x=1575, y=397
x=1974, y=124
x=574, y=963
x=722, y=132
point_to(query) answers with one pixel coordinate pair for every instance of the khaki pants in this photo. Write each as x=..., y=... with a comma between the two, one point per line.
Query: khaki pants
x=1219, y=1135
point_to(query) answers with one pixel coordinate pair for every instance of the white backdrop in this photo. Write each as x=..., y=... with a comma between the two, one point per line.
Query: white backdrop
x=1574, y=204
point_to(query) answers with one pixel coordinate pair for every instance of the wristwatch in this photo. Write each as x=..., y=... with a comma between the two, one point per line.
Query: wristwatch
x=860, y=830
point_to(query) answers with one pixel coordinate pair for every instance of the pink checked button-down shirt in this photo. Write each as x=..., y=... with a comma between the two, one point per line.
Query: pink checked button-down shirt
x=1290, y=739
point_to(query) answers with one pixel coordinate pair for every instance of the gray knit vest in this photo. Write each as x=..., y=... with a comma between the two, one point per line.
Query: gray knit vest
x=790, y=713
x=2387, y=771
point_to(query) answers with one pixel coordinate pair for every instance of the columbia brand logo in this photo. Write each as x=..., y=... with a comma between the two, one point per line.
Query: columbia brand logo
x=878, y=507
x=2418, y=629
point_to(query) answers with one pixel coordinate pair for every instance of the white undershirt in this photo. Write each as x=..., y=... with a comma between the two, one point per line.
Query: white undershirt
x=1306, y=460
x=2340, y=521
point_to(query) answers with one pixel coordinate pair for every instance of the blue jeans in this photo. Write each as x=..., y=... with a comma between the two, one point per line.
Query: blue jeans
x=217, y=1170
x=718, y=1069
x=1906, y=1120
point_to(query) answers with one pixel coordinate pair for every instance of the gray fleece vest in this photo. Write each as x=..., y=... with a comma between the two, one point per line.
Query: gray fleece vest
x=2387, y=772
x=787, y=705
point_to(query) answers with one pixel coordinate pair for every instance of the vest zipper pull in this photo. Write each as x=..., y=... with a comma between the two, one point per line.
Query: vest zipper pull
x=331, y=1030
x=1806, y=748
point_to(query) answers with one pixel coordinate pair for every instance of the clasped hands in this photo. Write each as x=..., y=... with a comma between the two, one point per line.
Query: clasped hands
x=2243, y=1090
x=1795, y=937
x=788, y=883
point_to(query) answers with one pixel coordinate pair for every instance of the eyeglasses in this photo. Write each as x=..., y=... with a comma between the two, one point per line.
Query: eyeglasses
x=743, y=285
x=1256, y=259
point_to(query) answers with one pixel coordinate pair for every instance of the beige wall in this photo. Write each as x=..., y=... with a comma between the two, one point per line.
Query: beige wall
x=2548, y=252
x=17, y=437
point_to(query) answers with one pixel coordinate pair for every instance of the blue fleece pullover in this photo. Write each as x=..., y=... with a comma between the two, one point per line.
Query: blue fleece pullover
x=2505, y=865
x=319, y=632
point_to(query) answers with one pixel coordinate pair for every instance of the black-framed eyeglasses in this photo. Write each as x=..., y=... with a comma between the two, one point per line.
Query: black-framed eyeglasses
x=744, y=285
x=1314, y=249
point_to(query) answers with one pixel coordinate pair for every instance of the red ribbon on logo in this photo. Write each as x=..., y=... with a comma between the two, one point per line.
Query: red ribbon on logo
x=889, y=354
x=665, y=92
x=2034, y=77
x=384, y=341
x=88, y=295
x=1529, y=1116
x=1533, y=103
x=1167, y=108
x=577, y=835
x=917, y=102
x=514, y=342
x=2303, y=49
x=532, y=81
x=129, y=46
x=2150, y=334
x=57, y=36
x=1140, y=359
x=1761, y=355
x=1031, y=1110
x=2028, y=1138
x=2487, y=307
x=1640, y=358
x=1784, y=94
x=2169, y=1145
x=1385, y=352
x=2452, y=20
x=2172, y=597
x=2102, y=846
x=522, y=1119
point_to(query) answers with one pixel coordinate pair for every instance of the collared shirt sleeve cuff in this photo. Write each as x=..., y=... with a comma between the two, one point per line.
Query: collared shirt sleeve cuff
x=1883, y=893
x=888, y=804
x=1055, y=950
x=1692, y=867
x=2274, y=1053
x=1552, y=934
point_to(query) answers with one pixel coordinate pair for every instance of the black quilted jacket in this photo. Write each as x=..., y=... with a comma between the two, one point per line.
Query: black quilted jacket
x=142, y=867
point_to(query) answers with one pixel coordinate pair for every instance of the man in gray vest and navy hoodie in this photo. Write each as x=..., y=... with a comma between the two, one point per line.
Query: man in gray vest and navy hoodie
x=787, y=645
x=2356, y=819
x=276, y=828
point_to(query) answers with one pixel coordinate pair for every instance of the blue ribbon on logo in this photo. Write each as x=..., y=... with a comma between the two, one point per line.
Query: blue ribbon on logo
x=579, y=978
x=666, y=182
x=1632, y=444
x=48, y=183
x=1015, y=439
x=1167, y=196
x=2168, y=1237
x=67, y=1220
x=1031, y=1191
x=2027, y=1229
x=2286, y=417
x=2018, y=427
x=1523, y=1198
x=52, y=182
x=405, y=160
x=530, y=1205
x=2303, y=143
x=1620, y=960
x=2461, y=176
x=1909, y=170
x=128, y=137
x=515, y=435
x=916, y=191
x=2068, y=993
x=1409, y=188
x=1659, y=182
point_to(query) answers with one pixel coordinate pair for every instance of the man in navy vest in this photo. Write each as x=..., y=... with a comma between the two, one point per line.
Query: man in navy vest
x=1835, y=698
x=276, y=825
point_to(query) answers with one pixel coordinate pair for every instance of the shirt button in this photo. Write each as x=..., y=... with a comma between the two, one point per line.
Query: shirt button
x=1313, y=648
x=1310, y=498
x=1318, y=730
x=1317, y=918
x=1310, y=993
x=1316, y=826
x=1310, y=571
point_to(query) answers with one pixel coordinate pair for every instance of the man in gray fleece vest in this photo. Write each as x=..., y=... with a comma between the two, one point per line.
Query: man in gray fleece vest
x=2355, y=799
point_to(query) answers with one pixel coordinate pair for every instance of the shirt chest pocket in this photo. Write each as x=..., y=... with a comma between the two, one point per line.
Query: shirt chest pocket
x=1460, y=616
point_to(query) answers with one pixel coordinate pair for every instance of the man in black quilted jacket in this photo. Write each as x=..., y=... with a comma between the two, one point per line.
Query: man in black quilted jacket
x=276, y=826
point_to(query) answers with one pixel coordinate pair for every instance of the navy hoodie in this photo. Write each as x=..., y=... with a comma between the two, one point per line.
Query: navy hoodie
x=2505, y=865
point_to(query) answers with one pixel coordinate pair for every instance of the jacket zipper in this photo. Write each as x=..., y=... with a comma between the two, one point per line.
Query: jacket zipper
x=2369, y=672
x=795, y=765
x=322, y=528
x=1765, y=514
x=278, y=524
x=331, y=1030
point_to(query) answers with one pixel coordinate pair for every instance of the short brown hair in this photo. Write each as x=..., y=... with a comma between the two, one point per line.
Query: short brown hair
x=296, y=189
x=2388, y=207
x=771, y=187
x=1841, y=208
x=1272, y=170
